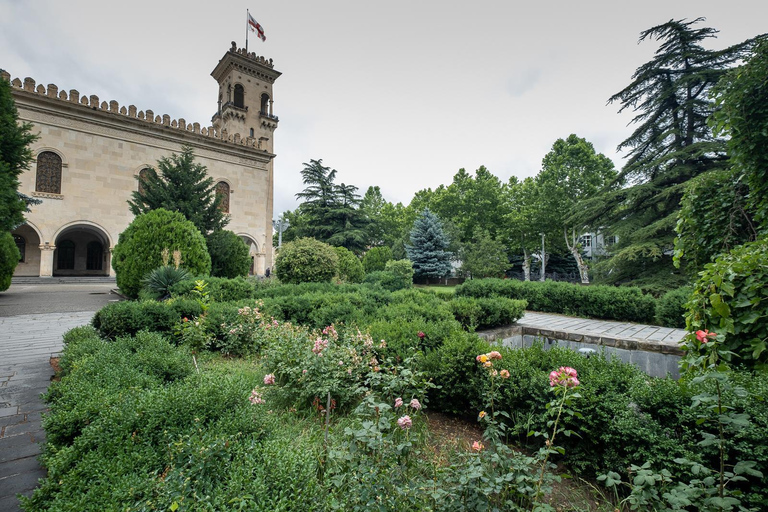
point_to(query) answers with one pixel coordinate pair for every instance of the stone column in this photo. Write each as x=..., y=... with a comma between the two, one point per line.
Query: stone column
x=46, y=260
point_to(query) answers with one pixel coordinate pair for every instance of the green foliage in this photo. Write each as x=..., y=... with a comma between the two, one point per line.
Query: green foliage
x=731, y=298
x=401, y=268
x=182, y=186
x=606, y=302
x=713, y=218
x=306, y=260
x=159, y=281
x=427, y=250
x=376, y=259
x=15, y=157
x=484, y=257
x=140, y=247
x=9, y=258
x=350, y=268
x=229, y=254
x=484, y=313
x=330, y=212
x=743, y=100
x=670, y=308
x=220, y=289
x=387, y=280
x=127, y=318
x=670, y=145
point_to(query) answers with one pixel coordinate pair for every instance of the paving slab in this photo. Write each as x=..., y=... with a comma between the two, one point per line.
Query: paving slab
x=27, y=343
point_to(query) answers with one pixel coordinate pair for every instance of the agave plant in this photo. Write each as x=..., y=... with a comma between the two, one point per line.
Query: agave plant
x=160, y=280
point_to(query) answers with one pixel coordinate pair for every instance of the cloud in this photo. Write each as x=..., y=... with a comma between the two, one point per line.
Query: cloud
x=523, y=81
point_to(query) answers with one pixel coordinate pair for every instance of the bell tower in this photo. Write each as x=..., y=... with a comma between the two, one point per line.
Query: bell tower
x=246, y=101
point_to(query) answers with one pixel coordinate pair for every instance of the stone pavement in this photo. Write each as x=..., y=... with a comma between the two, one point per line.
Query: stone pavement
x=27, y=343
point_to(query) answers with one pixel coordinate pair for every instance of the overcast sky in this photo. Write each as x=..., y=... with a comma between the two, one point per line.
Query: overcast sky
x=399, y=94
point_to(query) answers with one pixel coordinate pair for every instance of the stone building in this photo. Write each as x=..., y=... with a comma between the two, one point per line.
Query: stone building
x=90, y=153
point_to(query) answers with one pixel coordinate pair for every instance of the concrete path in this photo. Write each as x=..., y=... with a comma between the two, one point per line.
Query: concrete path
x=27, y=343
x=603, y=328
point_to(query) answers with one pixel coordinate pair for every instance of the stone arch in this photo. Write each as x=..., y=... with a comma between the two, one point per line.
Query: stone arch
x=238, y=96
x=44, y=149
x=33, y=240
x=256, y=254
x=82, y=248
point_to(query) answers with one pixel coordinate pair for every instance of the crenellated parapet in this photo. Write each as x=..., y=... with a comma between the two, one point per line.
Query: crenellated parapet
x=52, y=92
x=250, y=55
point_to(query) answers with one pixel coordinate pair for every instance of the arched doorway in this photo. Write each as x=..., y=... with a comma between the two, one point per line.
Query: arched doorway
x=28, y=242
x=81, y=250
x=257, y=259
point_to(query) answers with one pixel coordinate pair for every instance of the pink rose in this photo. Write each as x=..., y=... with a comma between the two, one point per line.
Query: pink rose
x=415, y=404
x=269, y=379
x=405, y=422
x=398, y=402
x=477, y=446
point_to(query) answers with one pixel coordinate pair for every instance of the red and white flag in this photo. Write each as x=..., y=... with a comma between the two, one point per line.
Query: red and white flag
x=255, y=27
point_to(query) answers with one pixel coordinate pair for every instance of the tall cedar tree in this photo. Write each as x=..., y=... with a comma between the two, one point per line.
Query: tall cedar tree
x=15, y=157
x=183, y=186
x=427, y=250
x=330, y=213
x=670, y=145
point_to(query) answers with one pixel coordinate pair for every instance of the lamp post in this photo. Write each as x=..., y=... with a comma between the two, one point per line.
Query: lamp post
x=543, y=258
x=281, y=224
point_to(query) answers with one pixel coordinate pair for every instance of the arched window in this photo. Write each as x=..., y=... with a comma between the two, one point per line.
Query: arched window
x=239, y=96
x=251, y=132
x=65, y=255
x=95, y=256
x=21, y=245
x=265, y=103
x=142, y=178
x=222, y=191
x=48, y=173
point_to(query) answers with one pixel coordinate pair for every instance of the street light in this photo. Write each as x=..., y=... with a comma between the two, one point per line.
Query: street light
x=543, y=258
x=281, y=224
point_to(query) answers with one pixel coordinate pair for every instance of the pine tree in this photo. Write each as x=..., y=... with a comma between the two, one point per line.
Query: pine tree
x=427, y=248
x=15, y=157
x=182, y=186
x=670, y=145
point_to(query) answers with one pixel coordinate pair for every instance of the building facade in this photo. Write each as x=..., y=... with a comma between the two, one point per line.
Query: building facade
x=90, y=155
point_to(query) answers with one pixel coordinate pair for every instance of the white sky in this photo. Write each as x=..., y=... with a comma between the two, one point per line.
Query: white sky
x=399, y=94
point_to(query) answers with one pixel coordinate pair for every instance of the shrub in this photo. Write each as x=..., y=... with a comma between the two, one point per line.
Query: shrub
x=608, y=302
x=387, y=280
x=485, y=313
x=130, y=317
x=140, y=247
x=401, y=268
x=229, y=254
x=220, y=289
x=306, y=260
x=158, y=282
x=670, y=308
x=731, y=298
x=350, y=268
x=376, y=259
x=9, y=258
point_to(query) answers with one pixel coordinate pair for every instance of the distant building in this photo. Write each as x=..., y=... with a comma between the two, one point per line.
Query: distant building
x=90, y=153
x=596, y=244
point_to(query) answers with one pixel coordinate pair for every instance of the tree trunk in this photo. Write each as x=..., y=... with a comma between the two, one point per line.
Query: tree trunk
x=575, y=249
x=526, y=265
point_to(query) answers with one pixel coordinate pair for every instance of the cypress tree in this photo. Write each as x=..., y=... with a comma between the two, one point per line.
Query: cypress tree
x=427, y=250
x=181, y=186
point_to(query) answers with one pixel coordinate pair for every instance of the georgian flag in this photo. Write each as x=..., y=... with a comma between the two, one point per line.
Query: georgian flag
x=255, y=27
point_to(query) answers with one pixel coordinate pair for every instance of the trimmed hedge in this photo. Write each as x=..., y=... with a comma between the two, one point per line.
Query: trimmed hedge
x=670, y=307
x=596, y=301
x=220, y=289
x=485, y=313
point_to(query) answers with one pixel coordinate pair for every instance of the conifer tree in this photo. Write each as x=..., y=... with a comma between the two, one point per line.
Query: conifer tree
x=15, y=157
x=427, y=250
x=181, y=186
x=671, y=144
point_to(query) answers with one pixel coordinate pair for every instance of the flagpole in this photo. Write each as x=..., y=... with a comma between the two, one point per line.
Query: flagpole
x=247, y=13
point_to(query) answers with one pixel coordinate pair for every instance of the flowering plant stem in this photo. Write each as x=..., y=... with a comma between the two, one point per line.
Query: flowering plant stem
x=550, y=443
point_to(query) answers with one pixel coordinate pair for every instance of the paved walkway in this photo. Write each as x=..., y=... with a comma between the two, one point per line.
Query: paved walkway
x=650, y=334
x=27, y=343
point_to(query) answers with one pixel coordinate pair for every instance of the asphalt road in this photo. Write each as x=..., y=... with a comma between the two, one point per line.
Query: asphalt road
x=26, y=299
